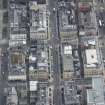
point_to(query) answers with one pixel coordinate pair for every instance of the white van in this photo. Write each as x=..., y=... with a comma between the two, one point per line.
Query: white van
x=100, y=23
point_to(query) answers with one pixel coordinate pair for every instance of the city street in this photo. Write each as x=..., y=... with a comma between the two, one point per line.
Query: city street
x=55, y=48
x=4, y=77
x=100, y=16
x=51, y=71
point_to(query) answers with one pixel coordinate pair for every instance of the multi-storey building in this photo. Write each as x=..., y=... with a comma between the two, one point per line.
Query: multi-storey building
x=67, y=21
x=38, y=93
x=38, y=50
x=68, y=36
x=70, y=93
x=17, y=23
x=96, y=94
x=88, y=32
x=39, y=61
x=17, y=39
x=39, y=20
x=39, y=34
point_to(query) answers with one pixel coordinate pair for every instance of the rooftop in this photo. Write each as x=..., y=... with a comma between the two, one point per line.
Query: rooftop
x=67, y=58
x=70, y=93
x=96, y=94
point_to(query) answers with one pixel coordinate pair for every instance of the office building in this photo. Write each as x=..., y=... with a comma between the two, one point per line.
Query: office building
x=95, y=96
x=70, y=93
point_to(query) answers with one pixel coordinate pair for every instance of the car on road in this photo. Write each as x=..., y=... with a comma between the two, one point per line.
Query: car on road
x=100, y=19
x=76, y=65
x=50, y=95
x=101, y=23
x=75, y=53
x=54, y=9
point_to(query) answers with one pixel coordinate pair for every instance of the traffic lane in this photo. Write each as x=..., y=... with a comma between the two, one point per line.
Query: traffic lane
x=101, y=31
x=2, y=95
x=1, y=87
x=57, y=93
x=56, y=73
x=52, y=4
x=104, y=15
x=100, y=16
x=103, y=52
x=3, y=78
x=56, y=69
x=57, y=100
x=53, y=17
x=53, y=24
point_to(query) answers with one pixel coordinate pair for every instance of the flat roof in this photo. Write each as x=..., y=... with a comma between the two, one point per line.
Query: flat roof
x=98, y=83
x=68, y=63
x=91, y=56
x=33, y=85
x=96, y=94
x=67, y=58
x=90, y=96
